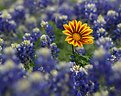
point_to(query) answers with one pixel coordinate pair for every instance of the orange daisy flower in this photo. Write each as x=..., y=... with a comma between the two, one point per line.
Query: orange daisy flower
x=78, y=33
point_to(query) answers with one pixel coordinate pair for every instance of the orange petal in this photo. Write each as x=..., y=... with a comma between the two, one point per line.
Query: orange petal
x=66, y=27
x=87, y=32
x=83, y=27
x=78, y=27
x=87, y=41
x=70, y=41
x=80, y=44
x=68, y=38
x=71, y=24
x=87, y=37
x=71, y=27
x=66, y=32
x=75, y=24
x=75, y=43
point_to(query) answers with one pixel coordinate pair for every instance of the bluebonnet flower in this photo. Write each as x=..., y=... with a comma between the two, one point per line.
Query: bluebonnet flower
x=99, y=27
x=111, y=18
x=35, y=6
x=31, y=22
x=27, y=36
x=90, y=11
x=102, y=66
x=34, y=85
x=61, y=20
x=32, y=6
x=51, y=13
x=82, y=84
x=25, y=52
x=101, y=32
x=60, y=2
x=9, y=53
x=102, y=92
x=115, y=79
x=116, y=52
x=54, y=50
x=65, y=9
x=0, y=54
x=2, y=43
x=74, y=82
x=108, y=21
x=21, y=29
x=116, y=34
x=105, y=42
x=105, y=5
x=61, y=82
x=7, y=25
x=77, y=10
x=57, y=82
x=44, y=61
x=9, y=74
x=35, y=35
x=100, y=21
x=49, y=32
x=18, y=14
x=44, y=23
x=86, y=10
x=45, y=3
x=45, y=41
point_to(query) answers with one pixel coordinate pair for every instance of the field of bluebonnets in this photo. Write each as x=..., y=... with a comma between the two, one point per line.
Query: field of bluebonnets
x=60, y=47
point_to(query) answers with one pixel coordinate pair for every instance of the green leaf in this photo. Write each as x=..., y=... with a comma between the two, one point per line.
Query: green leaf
x=81, y=60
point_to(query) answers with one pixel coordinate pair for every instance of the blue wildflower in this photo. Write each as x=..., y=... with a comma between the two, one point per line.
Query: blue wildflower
x=18, y=15
x=49, y=32
x=25, y=52
x=105, y=42
x=82, y=83
x=60, y=21
x=44, y=61
x=6, y=23
x=45, y=41
x=102, y=66
x=54, y=50
x=9, y=74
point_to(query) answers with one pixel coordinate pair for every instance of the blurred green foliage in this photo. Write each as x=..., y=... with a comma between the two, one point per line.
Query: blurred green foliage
x=5, y=4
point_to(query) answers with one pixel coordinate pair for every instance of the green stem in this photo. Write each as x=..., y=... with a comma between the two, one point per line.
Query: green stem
x=73, y=50
x=73, y=53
